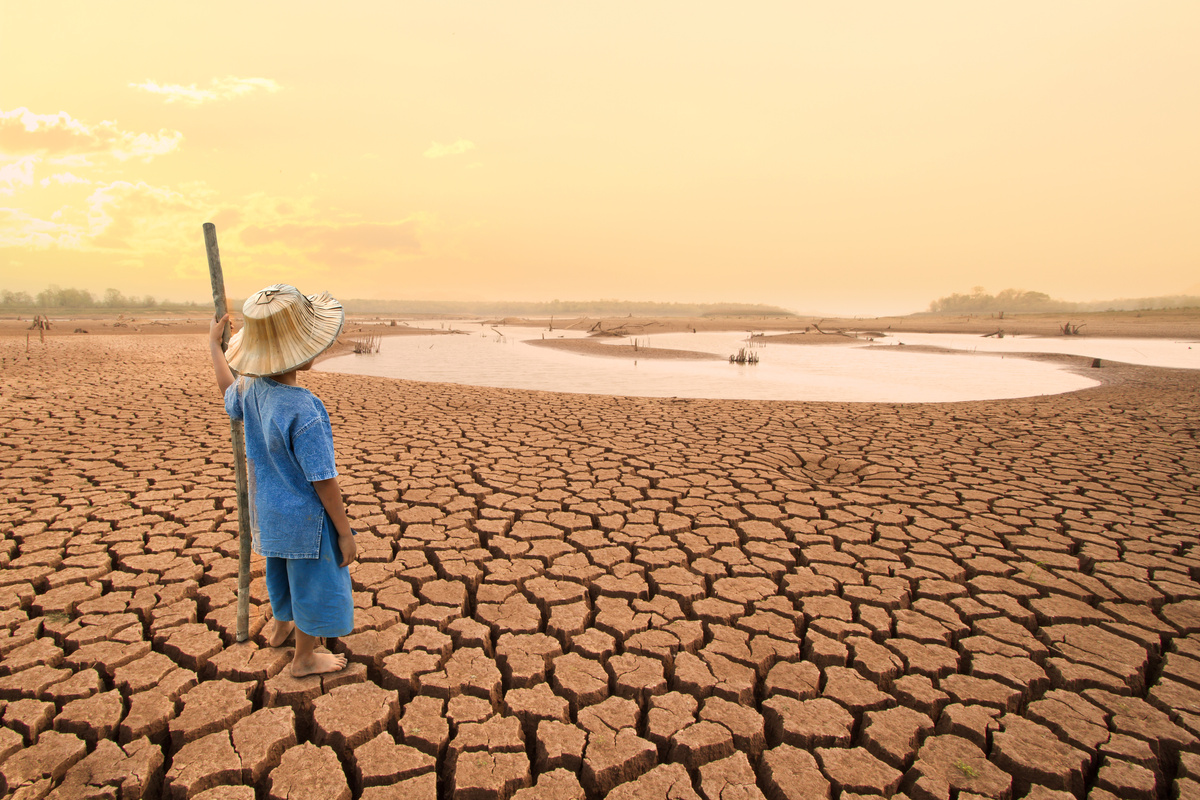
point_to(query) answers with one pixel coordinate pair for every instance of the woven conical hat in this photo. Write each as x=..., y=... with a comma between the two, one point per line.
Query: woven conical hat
x=283, y=329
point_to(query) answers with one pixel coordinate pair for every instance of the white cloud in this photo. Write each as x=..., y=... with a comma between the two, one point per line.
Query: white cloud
x=20, y=229
x=18, y=173
x=219, y=89
x=116, y=217
x=73, y=161
x=23, y=131
x=439, y=150
x=146, y=146
x=63, y=178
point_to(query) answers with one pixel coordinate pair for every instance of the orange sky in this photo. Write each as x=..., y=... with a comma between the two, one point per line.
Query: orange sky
x=829, y=157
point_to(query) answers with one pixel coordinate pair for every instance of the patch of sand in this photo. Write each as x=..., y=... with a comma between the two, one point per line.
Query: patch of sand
x=814, y=338
x=591, y=347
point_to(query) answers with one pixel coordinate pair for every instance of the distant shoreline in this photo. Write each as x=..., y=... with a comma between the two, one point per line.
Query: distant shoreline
x=1173, y=324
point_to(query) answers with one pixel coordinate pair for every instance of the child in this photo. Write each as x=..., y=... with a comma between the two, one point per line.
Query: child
x=297, y=518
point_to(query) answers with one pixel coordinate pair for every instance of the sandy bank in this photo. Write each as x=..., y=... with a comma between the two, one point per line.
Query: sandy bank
x=814, y=337
x=591, y=347
x=1174, y=324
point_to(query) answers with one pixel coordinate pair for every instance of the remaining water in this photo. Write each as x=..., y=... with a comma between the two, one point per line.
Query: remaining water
x=887, y=372
x=1150, y=352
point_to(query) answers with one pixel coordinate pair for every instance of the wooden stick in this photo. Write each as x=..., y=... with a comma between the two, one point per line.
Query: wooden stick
x=239, y=445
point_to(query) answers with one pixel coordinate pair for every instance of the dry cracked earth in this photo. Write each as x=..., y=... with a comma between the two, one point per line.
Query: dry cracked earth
x=566, y=596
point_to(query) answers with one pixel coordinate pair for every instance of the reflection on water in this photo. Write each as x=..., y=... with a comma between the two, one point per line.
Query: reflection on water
x=1150, y=352
x=500, y=357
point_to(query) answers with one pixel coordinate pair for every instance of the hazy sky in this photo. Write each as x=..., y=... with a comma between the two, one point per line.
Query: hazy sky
x=858, y=157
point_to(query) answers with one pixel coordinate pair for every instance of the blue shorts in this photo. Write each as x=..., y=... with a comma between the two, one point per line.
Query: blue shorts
x=315, y=593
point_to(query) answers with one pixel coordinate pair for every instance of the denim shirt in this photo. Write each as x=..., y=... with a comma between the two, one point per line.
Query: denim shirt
x=289, y=445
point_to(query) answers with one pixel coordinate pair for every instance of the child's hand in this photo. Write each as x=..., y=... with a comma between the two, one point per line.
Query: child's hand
x=217, y=328
x=349, y=548
x=220, y=365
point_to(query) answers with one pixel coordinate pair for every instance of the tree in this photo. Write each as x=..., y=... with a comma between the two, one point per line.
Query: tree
x=15, y=299
x=1006, y=300
x=56, y=297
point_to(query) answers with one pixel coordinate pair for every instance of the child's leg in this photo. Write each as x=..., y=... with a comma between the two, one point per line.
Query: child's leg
x=280, y=595
x=279, y=632
x=322, y=603
x=308, y=661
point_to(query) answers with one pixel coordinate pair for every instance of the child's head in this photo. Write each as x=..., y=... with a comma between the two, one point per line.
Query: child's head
x=283, y=330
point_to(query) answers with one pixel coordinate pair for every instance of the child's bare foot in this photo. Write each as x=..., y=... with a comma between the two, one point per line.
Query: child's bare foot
x=279, y=632
x=317, y=664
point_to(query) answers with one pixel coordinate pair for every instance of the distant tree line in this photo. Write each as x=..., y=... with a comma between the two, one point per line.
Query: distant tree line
x=1161, y=303
x=56, y=297
x=564, y=308
x=1018, y=300
x=1007, y=300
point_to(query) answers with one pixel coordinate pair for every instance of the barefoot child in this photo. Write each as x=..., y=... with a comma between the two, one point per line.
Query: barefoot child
x=297, y=518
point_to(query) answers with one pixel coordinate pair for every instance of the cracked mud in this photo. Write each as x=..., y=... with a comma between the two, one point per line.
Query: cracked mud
x=571, y=596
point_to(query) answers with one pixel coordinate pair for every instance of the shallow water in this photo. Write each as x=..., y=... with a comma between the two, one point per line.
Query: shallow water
x=985, y=369
x=1149, y=352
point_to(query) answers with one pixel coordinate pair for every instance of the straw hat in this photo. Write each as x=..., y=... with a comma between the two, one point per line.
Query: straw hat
x=283, y=329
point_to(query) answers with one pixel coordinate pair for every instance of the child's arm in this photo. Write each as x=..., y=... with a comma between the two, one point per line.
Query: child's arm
x=220, y=365
x=331, y=498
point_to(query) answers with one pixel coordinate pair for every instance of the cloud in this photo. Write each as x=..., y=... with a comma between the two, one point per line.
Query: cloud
x=63, y=178
x=22, y=131
x=225, y=88
x=18, y=173
x=458, y=147
x=21, y=229
x=337, y=244
x=126, y=216
x=116, y=217
x=156, y=228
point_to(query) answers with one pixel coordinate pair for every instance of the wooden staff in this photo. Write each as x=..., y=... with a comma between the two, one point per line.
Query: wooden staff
x=239, y=445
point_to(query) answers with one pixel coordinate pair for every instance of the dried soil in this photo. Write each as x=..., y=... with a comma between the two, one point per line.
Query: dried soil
x=569, y=595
